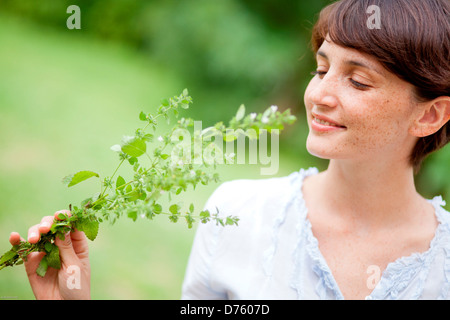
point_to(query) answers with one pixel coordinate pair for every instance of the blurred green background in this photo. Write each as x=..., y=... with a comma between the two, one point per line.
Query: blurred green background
x=66, y=96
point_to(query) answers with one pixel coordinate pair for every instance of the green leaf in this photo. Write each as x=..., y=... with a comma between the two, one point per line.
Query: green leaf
x=230, y=221
x=61, y=236
x=157, y=208
x=133, y=195
x=53, y=259
x=205, y=214
x=174, y=209
x=78, y=177
x=60, y=227
x=62, y=216
x=189, y=220
x=148, y=137
x=120, y=182
x=133, y=146
x=142, y=116
x=89, y=226
x=132, y=215
x=128, y=188
x=7, y=256
x=132, y=160
x=48, y=246
x=42, y=268
x=86, y=202
x=165, y=102
x=240, y=113
x=142, y=195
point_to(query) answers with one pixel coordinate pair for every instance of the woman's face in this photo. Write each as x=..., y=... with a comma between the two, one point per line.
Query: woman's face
x=357, y=109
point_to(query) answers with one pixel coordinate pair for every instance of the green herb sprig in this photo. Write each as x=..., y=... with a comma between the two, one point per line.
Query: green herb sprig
x=155, y=172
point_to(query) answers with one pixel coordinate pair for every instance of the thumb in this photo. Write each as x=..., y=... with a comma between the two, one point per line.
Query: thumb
x=66, y=251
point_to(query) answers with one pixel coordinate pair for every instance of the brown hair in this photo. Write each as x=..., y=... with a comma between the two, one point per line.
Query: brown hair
x=413, y=42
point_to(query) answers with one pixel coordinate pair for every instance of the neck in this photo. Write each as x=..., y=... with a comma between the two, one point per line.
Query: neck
x=370, y=192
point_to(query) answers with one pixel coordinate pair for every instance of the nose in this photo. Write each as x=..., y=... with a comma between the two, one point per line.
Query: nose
x=323, y=92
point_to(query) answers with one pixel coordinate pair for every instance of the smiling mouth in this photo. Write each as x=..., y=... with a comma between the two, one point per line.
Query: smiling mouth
x=326, y=123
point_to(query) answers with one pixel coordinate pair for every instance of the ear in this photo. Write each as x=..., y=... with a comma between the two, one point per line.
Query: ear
x=434, y=115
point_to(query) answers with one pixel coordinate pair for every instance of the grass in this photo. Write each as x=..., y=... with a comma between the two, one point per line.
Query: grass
x=64, y=100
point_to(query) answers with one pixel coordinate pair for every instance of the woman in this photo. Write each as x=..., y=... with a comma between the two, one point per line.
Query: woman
x=378, y=104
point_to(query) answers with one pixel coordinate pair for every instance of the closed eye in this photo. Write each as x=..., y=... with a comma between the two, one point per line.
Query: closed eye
x=359, y=85
x=356, y=84
x=320, y=73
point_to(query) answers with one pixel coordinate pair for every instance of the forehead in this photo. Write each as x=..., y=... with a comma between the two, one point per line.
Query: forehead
x=336, y=53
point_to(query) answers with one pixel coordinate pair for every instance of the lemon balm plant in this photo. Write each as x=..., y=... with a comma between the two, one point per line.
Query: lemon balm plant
x=163, y=170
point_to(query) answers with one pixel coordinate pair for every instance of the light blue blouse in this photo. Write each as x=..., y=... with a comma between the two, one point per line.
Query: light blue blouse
x=273, y=253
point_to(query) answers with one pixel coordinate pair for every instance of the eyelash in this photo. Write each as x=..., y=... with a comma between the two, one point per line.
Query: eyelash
x=355, y=83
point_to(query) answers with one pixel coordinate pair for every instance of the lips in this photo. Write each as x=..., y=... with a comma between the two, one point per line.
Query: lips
x=325, y=121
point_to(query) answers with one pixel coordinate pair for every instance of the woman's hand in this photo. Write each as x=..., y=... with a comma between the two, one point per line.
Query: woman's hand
x=72, y=281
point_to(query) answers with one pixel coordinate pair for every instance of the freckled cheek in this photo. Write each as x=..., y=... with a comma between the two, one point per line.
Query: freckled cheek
x=368, y=122
x=374, y=127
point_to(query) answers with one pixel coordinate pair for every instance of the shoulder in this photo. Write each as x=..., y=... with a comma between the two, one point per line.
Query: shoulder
x=256, y=203
x=240, y=195
x=241, y=190
x=442, y=234
x=442, y=214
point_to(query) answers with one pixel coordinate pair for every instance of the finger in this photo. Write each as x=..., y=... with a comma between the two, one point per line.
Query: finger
x=33, y=258
x=15, y=238
x=72, y=240
x=66, y=251
x=46, y=224
x=80, y=244
x=33, y=234
x=32, y=262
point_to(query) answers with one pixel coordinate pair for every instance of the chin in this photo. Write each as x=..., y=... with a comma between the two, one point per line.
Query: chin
x=323, y=148
x=318, y=152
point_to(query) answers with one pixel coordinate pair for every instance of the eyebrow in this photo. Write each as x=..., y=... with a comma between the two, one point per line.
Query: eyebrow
x=351, y=62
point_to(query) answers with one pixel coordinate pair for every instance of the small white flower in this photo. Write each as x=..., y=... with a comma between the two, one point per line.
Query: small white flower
x=265, y=119
x=160, y=139
x=192, y=172
x=142, y=215
x=274, y=108
x=252, y=116
x=116, y=148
